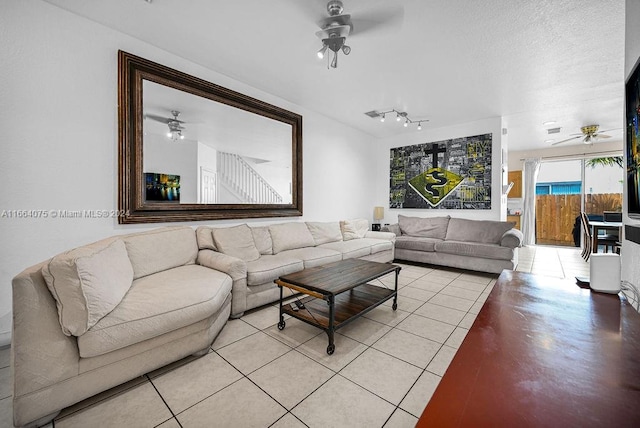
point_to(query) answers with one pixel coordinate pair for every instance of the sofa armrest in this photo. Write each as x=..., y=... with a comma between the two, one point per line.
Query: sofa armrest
x=236, y=269
x=380, y=235
x=42, y=354
x=393, y=228
x=512, y=238
x=232, y=266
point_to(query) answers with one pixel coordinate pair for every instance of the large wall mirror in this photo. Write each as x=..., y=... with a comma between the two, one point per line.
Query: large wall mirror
x=191, y=150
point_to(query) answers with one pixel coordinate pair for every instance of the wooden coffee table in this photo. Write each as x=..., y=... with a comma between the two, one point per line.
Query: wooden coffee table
x=337, y=293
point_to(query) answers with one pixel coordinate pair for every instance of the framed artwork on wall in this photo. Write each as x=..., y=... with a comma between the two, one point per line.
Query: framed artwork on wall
x=448, y=174
x=162, y=187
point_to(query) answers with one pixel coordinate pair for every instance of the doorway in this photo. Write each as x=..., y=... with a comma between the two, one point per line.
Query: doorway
x=566, y=187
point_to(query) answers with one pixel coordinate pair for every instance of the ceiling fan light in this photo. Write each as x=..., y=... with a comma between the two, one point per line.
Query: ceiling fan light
x=398, y=117
x=169, y=134
x=334, y=62
x=382, y=118
x=346, y=49
x=322, y=50
x=406, y=123
x=419, y=126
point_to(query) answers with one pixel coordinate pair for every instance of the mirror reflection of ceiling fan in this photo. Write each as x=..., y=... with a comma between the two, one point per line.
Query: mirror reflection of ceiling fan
x=335, y=28
x=174, y=124
x=589, y=135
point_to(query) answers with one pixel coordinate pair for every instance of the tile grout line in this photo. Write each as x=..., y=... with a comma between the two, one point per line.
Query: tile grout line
x=173, y=415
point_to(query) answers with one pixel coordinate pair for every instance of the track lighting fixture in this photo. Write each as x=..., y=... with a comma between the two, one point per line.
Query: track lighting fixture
x=401, y=116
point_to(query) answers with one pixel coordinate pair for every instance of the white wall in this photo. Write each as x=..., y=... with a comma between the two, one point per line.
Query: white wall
x=630, y=250
x=498, y=203
x=58, y=99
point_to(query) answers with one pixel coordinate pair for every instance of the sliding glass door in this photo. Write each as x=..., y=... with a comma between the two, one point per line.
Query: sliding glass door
x=567, y=187
x=558, y=202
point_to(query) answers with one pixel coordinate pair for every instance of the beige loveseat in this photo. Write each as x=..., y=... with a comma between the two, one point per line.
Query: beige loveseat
x=99, y=315
x=102, y=314
x=480, y=245
x=255, y=256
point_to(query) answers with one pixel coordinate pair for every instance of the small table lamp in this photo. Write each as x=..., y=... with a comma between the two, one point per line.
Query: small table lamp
x=378, y=214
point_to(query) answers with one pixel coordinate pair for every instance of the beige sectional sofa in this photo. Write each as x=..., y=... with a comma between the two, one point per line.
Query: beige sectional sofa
x=91, y=318
x=255, y=256
x=480, y=245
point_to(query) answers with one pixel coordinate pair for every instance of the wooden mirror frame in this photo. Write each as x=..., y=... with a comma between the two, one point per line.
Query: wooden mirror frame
x=132, y=70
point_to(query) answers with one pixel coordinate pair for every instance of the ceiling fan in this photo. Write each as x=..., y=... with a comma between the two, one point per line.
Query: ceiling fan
x=335, y=28
x=589, y=135
x=174, y=124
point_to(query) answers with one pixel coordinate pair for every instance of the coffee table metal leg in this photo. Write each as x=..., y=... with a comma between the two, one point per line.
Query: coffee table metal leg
x=281, y=323
x=395, y=297
x=332, y=347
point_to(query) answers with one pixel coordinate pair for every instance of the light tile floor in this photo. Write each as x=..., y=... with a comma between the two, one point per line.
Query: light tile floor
x=384, y=371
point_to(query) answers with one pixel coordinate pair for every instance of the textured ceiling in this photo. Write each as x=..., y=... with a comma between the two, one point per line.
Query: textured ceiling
x=448, y=61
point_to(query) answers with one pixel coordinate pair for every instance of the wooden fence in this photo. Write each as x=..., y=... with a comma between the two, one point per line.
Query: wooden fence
x=556, y=214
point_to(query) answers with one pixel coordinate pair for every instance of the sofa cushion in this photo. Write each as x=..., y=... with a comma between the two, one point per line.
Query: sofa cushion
x=314, y=256
x=87, y=283
x=324, y=232
x=262, y=239
x=268, y=268
x=380, y=245
x=157, y=304
x=354, y=229
x=356, y=248
x=392, y=228
x=204, y=236
x=475, y=249
x=428, y=227
x=483, y=231
x=236, y=242
x=416, y=243
x=289, y=236
x=161, y=249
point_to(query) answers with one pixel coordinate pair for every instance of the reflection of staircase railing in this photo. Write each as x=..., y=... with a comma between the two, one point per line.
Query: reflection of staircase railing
x=238, y=176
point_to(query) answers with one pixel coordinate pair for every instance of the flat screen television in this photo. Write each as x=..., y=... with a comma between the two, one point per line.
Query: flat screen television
x=632, y=111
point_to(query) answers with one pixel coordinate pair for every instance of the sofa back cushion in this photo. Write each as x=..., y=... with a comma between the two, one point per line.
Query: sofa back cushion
x=236, y=242
x=325, y=232
x=289, y=236
x=484, y=231
x=204, y=236
x=262, y=239
x=354, y=229
x=161, y=249
x=426, y=227
x=88, y=282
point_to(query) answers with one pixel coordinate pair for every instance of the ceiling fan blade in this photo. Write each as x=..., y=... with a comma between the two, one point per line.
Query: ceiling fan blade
x=601, y=136
x=382, y=20
x=157, y=118
x=608, y=130
x=568, y=139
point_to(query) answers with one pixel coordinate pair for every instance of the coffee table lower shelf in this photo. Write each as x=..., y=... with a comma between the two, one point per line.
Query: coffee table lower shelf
x=346, y=306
